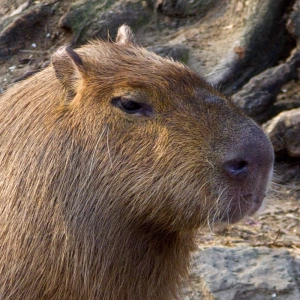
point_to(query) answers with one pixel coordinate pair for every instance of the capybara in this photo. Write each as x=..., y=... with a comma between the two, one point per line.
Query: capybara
x=111, y=159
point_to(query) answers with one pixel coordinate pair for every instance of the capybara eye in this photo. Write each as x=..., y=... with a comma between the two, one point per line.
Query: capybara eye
x=132, y=107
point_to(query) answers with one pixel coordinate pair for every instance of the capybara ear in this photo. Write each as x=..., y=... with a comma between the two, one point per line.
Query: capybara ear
x=125, y=35
x=69, y=68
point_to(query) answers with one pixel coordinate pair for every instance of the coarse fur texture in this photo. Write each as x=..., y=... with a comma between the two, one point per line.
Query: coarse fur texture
x=111, y=158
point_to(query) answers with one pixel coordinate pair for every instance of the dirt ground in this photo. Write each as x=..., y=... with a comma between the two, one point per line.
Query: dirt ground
x=278, y=225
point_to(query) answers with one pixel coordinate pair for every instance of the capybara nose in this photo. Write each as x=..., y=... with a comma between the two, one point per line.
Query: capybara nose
x=236, y=168
x=250, y=158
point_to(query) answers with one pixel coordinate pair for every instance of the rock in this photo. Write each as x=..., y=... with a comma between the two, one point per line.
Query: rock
x=176, y=52
x=285, y=105
x=293, y=24
x=264, y=29
x=9, y=7
x=297, y=269
x=244, y=273
x=97, y=19
x=284, y=132
x=182, y=8
x=16, y=29
x=257, y=97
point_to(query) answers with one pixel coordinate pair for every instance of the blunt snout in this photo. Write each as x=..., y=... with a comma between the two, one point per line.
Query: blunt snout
x=246, y=171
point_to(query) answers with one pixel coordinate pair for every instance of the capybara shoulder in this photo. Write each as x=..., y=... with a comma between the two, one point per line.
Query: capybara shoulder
x=111, y=159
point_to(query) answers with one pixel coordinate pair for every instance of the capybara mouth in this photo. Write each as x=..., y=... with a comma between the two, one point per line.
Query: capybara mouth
x=246, y=205
x=256, y=204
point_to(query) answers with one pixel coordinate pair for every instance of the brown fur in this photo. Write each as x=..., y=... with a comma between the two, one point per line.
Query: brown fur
x=97, y=203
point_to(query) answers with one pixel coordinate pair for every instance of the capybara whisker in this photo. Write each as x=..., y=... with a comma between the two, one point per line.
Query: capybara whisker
x=92, y=164
x=108, y=149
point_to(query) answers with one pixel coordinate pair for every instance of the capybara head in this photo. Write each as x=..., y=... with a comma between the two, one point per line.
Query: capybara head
x=110, y=159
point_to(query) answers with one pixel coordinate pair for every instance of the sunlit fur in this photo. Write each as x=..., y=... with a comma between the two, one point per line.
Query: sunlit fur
x=99, y=204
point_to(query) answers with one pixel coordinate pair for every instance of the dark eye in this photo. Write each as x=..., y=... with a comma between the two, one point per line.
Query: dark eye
x=132, y=107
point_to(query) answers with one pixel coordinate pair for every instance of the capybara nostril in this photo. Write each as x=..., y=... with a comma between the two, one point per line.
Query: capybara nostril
x=236, y=168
